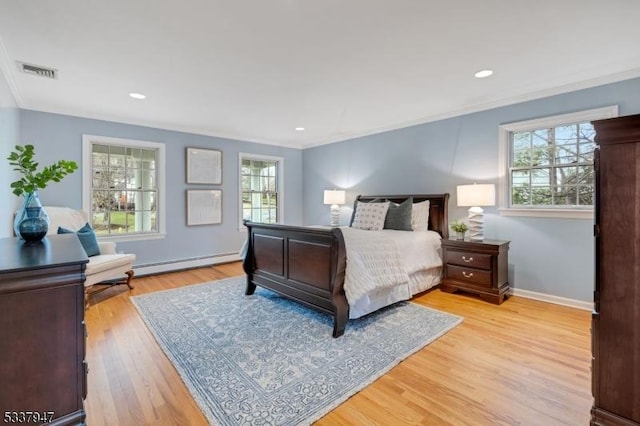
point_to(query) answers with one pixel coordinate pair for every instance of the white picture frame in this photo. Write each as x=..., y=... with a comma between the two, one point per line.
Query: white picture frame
x=204, y=166
x=204, y=206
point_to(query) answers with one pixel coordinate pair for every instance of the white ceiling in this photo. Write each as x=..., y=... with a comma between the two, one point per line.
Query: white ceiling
x=255, y=69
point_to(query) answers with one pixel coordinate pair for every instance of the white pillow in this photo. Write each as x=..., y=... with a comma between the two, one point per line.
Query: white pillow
x=420, y=216
x=370, y=216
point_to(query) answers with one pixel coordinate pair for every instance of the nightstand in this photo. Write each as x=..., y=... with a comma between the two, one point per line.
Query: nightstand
x=478, y=267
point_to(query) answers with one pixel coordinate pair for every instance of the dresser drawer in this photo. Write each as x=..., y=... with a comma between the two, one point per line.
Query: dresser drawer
x=468, y=259
x=470, y=275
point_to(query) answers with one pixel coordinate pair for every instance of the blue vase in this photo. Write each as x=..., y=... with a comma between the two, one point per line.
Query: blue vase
x=31, y=222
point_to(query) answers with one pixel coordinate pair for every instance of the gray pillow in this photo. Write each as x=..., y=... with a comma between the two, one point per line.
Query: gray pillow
x=399, y=216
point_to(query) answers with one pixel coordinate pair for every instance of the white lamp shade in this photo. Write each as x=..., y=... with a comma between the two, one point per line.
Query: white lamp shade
x=476, y=195
x=334, y=196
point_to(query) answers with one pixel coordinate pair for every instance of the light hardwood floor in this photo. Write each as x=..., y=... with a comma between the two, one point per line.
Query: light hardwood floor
x=521, y=363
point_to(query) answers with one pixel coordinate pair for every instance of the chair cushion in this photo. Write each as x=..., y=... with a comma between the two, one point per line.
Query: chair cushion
x=105, y=262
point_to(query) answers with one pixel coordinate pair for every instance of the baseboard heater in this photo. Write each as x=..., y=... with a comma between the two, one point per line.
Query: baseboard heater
x=182, y=264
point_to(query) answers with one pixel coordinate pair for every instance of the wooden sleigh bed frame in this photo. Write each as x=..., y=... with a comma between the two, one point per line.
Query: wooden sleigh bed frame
x=307, y=264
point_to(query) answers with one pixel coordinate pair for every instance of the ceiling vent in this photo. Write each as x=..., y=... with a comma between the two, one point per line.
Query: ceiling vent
x=38, y=70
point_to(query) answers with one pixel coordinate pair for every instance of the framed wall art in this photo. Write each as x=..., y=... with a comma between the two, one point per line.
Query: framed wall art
x=204, y=206
x=204, y=166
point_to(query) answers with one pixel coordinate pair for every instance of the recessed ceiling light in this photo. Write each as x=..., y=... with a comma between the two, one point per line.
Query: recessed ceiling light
x=137, y=95
x=483, y=73
x=299, y=129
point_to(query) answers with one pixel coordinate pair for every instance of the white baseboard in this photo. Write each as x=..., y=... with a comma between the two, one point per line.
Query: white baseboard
x=572, y=303
x=177, y=265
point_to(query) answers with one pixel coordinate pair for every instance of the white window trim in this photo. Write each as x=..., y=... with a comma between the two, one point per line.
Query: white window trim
x=280, y=184
x=87, y=140
x=504, y=155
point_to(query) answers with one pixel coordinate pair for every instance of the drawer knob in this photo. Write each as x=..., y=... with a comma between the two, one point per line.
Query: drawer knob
x=467, y=275
x=467, y=259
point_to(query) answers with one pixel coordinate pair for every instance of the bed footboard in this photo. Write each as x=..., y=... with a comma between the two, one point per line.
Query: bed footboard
x=305, y=264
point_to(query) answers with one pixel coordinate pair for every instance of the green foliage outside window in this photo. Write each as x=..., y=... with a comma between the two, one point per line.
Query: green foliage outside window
x=553, y=167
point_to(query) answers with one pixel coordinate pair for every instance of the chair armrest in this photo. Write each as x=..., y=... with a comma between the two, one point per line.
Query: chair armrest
x=107, y=247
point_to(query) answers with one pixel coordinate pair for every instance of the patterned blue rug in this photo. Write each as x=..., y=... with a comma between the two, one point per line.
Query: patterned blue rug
x=265, y=360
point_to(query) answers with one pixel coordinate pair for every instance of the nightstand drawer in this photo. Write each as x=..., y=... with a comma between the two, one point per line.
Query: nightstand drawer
x=468, y=259
x=471, y=275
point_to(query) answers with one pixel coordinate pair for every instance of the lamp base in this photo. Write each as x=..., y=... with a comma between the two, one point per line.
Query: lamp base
x=476, y=224
x=335, y=215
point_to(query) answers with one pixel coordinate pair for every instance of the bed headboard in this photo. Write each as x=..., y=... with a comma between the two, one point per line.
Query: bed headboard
x=438, y=208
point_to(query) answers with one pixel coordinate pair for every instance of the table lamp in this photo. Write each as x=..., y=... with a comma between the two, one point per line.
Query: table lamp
x=334, y=197
x=475, y=196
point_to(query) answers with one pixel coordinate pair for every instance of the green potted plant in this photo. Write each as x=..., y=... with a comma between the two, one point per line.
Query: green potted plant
x=31, y=221
x=459, y=228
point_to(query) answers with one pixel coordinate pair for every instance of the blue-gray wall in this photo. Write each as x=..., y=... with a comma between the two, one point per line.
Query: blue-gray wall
x=60, y=137
x=550, y=256
x=9, y=137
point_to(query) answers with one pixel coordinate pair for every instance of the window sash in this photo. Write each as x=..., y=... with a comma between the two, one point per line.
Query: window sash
x=258, y=205
x=540, y=148
x=570, y=141
x=123, y=201
x=123, y=185
x=260, y=188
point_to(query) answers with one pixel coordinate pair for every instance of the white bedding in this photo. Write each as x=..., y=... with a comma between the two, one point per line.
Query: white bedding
x=387, y=266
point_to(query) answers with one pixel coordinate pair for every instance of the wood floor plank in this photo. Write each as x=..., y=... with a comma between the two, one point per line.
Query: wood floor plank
x=524, y=362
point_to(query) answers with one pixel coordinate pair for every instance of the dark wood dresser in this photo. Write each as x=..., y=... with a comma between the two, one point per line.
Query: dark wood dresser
x=479, y=267
x=43, y=375
x=616, y=315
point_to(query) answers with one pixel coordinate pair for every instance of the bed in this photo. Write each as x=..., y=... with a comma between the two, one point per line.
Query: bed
x=309, y=264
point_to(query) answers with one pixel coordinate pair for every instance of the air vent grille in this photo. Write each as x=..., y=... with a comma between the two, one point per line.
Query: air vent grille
x=38, y=70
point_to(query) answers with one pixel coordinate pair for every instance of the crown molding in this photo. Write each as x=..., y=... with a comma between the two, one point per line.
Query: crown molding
x=525, y=97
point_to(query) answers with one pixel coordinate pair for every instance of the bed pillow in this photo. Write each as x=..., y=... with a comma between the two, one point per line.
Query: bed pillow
x=370, y=216
x=353, y=214
x=399, y=215
x=87, y=238
x=420, y=216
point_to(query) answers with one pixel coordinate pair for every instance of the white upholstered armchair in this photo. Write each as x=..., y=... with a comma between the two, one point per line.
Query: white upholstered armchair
x=109, y=265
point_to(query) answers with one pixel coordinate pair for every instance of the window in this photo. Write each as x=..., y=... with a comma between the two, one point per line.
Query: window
x=547, y=165
x=261, y=188
x=123, y=184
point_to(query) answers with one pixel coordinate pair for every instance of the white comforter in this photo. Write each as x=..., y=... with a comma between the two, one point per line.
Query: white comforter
x=383, y=259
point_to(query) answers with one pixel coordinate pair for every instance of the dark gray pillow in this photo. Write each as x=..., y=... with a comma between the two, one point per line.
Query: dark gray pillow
x=399, y=216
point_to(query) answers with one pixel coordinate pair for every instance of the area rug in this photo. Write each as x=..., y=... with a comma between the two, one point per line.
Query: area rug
x=265, y=360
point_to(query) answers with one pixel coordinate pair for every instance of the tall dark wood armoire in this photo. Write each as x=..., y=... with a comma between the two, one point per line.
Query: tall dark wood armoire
x=616, y=315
